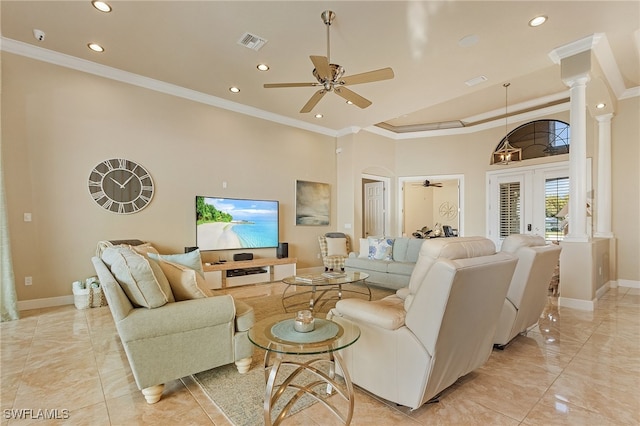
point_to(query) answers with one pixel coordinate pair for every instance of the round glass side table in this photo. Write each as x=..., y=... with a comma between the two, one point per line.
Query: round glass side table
x=305, y=352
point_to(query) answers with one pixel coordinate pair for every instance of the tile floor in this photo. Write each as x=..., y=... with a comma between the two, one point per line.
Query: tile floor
x=575, y=367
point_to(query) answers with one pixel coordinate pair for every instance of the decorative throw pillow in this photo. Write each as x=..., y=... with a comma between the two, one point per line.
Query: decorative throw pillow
x=185, y=282
x=380, y=248
x=364, y=248
x=137, y=277
x=148, y=250
x=190, y=260
x=145, y=248
x=337, y=247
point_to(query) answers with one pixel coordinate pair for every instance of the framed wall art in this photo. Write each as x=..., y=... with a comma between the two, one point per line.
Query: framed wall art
x=313, y=203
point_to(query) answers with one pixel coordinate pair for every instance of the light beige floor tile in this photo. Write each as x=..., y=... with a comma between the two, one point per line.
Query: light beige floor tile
x=620, y=404
x=521, y=372
x=8, y=390
x=576, y=367
x=70, y=394
x=552, y=410
x=106, y=341
x=118, y=382
x=604, y=373
x=177, y=407
x=453, y=410
x=509, y=399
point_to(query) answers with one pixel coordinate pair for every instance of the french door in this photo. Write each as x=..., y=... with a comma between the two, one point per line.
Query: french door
x=527, y=200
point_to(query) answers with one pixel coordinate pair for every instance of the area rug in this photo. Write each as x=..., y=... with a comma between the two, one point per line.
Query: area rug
x=241, y=396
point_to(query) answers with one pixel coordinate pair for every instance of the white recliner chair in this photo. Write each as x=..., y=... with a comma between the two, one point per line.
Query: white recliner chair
x=415, y=345
x=529, y=288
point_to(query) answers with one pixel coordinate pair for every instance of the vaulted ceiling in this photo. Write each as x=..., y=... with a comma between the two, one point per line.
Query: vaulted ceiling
x=434, y=47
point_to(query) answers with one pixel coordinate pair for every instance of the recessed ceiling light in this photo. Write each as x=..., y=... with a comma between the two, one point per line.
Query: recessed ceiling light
x=349, y=103
x=537, y=21
x=101, y=6
x=263, y=67
x=318, y=115
x=601, y=105
x=234, y=89
x=95, y=47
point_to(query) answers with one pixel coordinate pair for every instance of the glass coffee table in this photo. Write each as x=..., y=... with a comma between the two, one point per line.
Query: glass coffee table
x=322, y=288
x=295, y=350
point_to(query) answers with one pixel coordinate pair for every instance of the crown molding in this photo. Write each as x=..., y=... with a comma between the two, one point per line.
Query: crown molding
x=499, y=122
x=83, y=65
x=599, y=45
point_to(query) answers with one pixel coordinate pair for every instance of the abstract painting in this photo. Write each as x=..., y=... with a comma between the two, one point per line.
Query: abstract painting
x=312, y=203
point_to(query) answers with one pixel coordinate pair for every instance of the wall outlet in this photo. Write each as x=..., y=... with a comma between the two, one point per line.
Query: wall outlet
x=318, y=255
x=27, y=217
x=28, y=280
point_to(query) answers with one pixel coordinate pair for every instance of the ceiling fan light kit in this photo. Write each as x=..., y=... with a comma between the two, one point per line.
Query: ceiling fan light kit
x=330, y=77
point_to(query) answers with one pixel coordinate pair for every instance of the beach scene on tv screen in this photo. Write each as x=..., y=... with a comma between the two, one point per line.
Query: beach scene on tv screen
x=226, y=223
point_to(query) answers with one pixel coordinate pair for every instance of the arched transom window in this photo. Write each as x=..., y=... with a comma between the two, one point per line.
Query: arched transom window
x=540, y=138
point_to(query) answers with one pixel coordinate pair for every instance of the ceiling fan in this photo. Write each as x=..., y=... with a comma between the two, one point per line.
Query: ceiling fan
x=428, y=184
x=330, y=76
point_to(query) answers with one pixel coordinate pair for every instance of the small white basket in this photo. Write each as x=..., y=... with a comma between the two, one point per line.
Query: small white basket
x=88, y=295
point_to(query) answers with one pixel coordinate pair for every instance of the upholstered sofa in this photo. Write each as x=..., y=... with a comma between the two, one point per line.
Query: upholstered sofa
x=413, y=347
x=529, y=288
x=388, y=261
x=169, y=326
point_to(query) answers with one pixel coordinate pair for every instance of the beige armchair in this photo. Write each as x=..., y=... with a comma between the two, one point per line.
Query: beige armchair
x=413, y=348
x=179, y=338
x=529, y=288
x=334, y=249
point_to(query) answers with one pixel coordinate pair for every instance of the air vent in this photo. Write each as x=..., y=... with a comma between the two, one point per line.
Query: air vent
x=476, y=80
x=252, y=41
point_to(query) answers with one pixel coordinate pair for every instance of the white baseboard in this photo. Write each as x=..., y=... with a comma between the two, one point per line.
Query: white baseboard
x=603, y=289
x=629, y=283
x=585, y=305
x=25, y=305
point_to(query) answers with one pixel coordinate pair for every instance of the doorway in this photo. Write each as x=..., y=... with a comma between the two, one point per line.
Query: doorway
x=375, y=202
x=430, y=207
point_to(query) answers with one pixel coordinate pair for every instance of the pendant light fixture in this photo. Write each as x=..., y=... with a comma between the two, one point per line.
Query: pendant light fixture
x=506, y=153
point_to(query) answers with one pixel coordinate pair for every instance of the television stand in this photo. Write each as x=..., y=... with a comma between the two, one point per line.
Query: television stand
x=245, y=272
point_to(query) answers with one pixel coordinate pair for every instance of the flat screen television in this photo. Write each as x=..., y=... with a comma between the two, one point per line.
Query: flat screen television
x=233, y=223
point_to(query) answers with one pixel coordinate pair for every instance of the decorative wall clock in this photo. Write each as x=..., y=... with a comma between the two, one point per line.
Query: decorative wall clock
x=120, y=186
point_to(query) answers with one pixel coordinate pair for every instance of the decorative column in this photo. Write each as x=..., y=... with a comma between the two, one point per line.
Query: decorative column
x=578, y=160
x=603, y=196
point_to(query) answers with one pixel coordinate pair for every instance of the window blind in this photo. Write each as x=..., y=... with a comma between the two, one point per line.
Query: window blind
x=510, y=209
x=556, y=199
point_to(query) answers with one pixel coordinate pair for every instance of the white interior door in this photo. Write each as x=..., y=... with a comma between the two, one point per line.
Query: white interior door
x=374, y=209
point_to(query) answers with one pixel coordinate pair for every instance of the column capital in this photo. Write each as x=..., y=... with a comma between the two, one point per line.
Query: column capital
x=604, y=117
x=576, y=81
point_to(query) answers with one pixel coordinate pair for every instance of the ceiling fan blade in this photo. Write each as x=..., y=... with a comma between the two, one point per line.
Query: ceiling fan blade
x=272, y=85
x=313, y=101
x=368, y=77
x=352, y=96
x=322, y=66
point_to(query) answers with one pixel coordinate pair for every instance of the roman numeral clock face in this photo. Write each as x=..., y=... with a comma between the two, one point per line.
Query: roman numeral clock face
x=120, y=186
